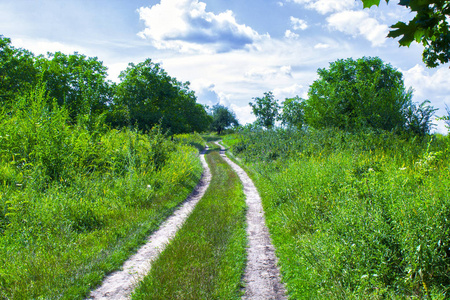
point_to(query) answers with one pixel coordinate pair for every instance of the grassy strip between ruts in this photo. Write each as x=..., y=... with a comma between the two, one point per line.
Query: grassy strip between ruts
x=207, y=258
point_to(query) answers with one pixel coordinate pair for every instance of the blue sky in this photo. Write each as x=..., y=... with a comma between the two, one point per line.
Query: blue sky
x=230, y=51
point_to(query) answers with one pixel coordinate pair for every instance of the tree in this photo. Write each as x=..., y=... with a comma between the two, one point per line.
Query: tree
x=265, y=109
x=419, y=118
x=222, y=118
x=17, y=71
x=356, y=94
x=430, y=26
x=293, y=112
x=149, y=96
x=76, y=82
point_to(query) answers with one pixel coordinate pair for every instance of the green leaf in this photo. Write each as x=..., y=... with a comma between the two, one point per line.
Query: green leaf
x=370, y=3
x=408, y=32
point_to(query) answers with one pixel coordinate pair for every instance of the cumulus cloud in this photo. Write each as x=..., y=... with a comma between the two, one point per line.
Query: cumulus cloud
x=290, y=35
x=326, y=6
x=290, y=91
x=186, y=26
x=298, y=24
x=44, y=46
x=359, y=23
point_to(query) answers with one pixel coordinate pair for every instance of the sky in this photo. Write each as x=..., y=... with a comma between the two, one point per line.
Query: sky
x=231, y=51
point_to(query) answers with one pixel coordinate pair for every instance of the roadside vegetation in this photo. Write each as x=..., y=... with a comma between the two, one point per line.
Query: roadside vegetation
x=354, y=215
x=83, y=179
x=206, y=259
x=354, y=186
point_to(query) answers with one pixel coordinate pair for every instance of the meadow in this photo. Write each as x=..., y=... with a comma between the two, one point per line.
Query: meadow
x=354, y=215
x=77, y=198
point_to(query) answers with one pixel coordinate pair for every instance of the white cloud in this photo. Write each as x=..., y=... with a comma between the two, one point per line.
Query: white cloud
x=359, y=23
x=298, y=24
x=41, y=46
x=290, y=35
x=290, y=91
x=243, y=113
x=327, y=6
x=186, y=26
x=269, y=72
x=322, y=46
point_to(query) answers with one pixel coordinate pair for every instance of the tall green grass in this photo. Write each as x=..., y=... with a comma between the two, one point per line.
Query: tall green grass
x=354, y=216
x=206, y=259
x=75, y=203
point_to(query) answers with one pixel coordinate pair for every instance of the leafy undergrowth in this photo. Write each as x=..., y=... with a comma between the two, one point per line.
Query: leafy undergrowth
x=206, y=259
x=354, y=216
x=75, y=203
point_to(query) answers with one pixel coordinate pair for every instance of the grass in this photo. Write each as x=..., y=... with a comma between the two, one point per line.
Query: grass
x=207, y=257
x=354, y=216
x=75, y=203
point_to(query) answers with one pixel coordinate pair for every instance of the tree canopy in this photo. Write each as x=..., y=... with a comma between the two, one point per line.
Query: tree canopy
x=293, y=112
x=363, y=93
x=150, y=96
x=429, y=27
x=145, y=97
x=222, y=118
x=266, y=109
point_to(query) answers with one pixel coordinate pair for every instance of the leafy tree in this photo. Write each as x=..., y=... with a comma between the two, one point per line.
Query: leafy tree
x=430, y=26
x=265, y=109
x=17, y=71
x=293, y=112
x=77, y=83
x=222, y=118
x=149, y=96
x=419, y=118
x=354, y=94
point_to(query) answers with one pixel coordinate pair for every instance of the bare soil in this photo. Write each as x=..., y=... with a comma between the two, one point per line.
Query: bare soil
x=262, y=276
x=120, y=284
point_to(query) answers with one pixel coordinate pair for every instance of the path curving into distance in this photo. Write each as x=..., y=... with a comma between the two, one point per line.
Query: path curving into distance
x=262, y=276
x=120, y=284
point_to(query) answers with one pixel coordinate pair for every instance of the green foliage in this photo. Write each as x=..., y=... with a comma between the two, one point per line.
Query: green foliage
x=204, y=261
x=366, y=93
x=17, y=71
x=222, y=118
x=265, y=109
x=76, y=82
x=419, y=118
x=147, y=95
x=354, y=216
x=76, y=202
x=293, y=112
x=429, y=27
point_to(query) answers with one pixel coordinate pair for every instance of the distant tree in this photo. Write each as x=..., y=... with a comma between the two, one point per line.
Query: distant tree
x=266, y=109
x=222, y=118
x=18, y=72
x=430, y=26
x=147, y=95
x=419, y=118
x=293, y=112
x=355, y=94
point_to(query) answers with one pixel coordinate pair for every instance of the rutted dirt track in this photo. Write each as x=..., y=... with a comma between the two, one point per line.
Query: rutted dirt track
x=120, y=284
x=262, y=276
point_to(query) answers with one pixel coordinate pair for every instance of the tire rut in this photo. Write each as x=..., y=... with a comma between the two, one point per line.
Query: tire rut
x=120, y=284
x=262, y=276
